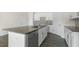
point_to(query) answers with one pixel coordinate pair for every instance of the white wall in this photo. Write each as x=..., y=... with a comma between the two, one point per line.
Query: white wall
x=61, y=19
x=58, y=26
x=30, y=16
x=12, y=19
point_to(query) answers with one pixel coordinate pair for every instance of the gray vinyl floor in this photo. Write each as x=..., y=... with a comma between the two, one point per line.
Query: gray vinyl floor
x=52, y=40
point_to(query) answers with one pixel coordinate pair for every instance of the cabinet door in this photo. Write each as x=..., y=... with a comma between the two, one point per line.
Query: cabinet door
x=40, y=36
x=33, y=39
x=67, y=39
x=45, y=32
x=75, y=38
x=66, y=35
x=70, y=39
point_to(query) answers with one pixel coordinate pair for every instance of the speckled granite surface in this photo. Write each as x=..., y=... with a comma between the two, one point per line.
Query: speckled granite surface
x=23, y=29
x=73, y=28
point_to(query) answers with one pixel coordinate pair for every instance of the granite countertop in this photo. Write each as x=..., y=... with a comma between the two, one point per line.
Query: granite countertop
x=23, y=29
x=73, y=28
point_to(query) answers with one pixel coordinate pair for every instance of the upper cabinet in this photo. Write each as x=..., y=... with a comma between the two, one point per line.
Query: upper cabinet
x=46, y=15
x=75, y=15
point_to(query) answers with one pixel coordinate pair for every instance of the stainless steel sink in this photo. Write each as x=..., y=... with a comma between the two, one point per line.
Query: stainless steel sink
x=35, y=26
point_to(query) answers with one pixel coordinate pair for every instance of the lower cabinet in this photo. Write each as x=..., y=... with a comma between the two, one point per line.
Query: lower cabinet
x=33, y=39
x=23, y=40
x=72, y=38
x=16, y=39
x=75, y=37
x=42, y=34
x=68, y=37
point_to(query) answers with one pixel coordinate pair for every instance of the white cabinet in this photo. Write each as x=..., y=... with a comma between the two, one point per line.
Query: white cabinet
x=72, y=38
x=50, y=28
x=16, y=39
x=40, y=37
x=42, y=34
x=73, y=15
x=23, y=40
x=75, y=37
x=33, y=39
x=68, y=36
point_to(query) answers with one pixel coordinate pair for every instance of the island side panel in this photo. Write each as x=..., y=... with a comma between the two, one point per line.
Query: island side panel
x=16, y=39
x=42, y=34
x=33, y=39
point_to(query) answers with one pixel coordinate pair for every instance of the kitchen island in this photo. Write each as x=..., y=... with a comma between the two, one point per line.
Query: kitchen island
x=72, y=36
x=26, y=36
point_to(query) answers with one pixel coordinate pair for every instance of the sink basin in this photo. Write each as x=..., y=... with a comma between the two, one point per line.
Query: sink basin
x=35, y=26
